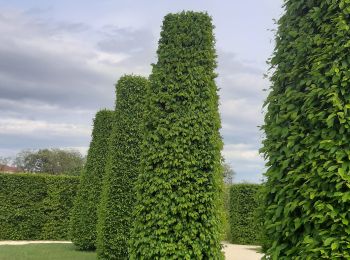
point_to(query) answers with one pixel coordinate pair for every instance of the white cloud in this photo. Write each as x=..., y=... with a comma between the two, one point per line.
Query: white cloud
x=246, y=162
x=37, y=106
x=241, y=152
x=82, y=149
x=243, y=84
x=43, y=61
x=13, y=126
x=242, y=111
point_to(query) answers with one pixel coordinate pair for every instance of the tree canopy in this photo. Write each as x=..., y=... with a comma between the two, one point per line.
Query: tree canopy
x=52, y=161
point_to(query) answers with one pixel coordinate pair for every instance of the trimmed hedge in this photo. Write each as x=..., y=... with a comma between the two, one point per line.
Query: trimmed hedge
x=178, y=191
x=244, y=215
x=225, y=214
x=34, y=207
x=84, y=213
x=307, y=133
x=122, y=169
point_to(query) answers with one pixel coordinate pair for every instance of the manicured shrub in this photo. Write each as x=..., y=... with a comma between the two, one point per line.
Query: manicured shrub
x=122, y=169
x=265, y=240
x=84, y=214
x=225, y=216
x=34, y=207
x=307, y=133
x=178, y=191
x=244, y=205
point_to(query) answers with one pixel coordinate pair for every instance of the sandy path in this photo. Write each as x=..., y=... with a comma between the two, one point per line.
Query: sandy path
x=241, y=252
x=232, y=252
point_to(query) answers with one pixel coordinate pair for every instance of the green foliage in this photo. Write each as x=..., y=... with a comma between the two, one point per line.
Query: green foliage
x=122, y=169
x=57, y=206
x=264, y=241
x=84, y=214
x=244, y=203
x=178, y=191
x=307, y=133
x=51, y=161
x=34, y=207
x=225, y=214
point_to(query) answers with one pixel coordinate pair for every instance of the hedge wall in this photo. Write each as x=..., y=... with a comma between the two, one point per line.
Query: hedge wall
x=307, y=129
x=34, y=207
x=244, y=216
x=178, y=191
x=84, y=213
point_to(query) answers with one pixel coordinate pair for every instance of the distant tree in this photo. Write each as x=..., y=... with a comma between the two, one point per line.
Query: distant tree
x=228, y=173
x=22, y=160
x=51, y=161
x=4, y=161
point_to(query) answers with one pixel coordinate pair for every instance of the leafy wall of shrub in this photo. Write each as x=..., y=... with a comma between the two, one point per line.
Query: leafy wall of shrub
x=84, y=213
x=122, y=169
x=225, y=216
x=178, y=191
x=244, y=218
x=307, y=129
x=34, y=206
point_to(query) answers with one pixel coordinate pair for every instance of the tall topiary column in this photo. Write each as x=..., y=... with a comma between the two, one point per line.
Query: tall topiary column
x=307, y=133
x=84, y=213
x=123, y=167
x=176, y=216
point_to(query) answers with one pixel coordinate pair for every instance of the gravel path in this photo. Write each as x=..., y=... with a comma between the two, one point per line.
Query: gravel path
x=241, y=252
x=232, y=252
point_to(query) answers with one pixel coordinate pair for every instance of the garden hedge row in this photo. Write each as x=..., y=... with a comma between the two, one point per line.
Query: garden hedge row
x=244, y=218
x=178, y=191
x=34, y=206
x=84, y=213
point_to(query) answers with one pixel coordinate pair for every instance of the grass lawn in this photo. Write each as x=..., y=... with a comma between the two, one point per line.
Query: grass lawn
x=44, y=252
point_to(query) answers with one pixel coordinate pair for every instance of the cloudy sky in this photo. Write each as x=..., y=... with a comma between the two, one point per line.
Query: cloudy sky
x=59, y=61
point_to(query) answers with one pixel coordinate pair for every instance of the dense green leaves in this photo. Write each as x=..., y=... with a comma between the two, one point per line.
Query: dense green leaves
x=243, y=211
x=35, y=206
x=84, y=214
x=122, y=169
x=178, y=190
x=307, y=133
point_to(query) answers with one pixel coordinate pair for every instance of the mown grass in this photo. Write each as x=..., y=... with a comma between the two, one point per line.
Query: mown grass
x=44, y=252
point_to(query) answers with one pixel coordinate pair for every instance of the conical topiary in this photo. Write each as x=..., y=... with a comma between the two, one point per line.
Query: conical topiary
x=123, y=167
x=84, y=213
x=178, y=191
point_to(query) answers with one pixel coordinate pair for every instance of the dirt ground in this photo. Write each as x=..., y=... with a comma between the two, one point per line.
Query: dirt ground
x=232, y=252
